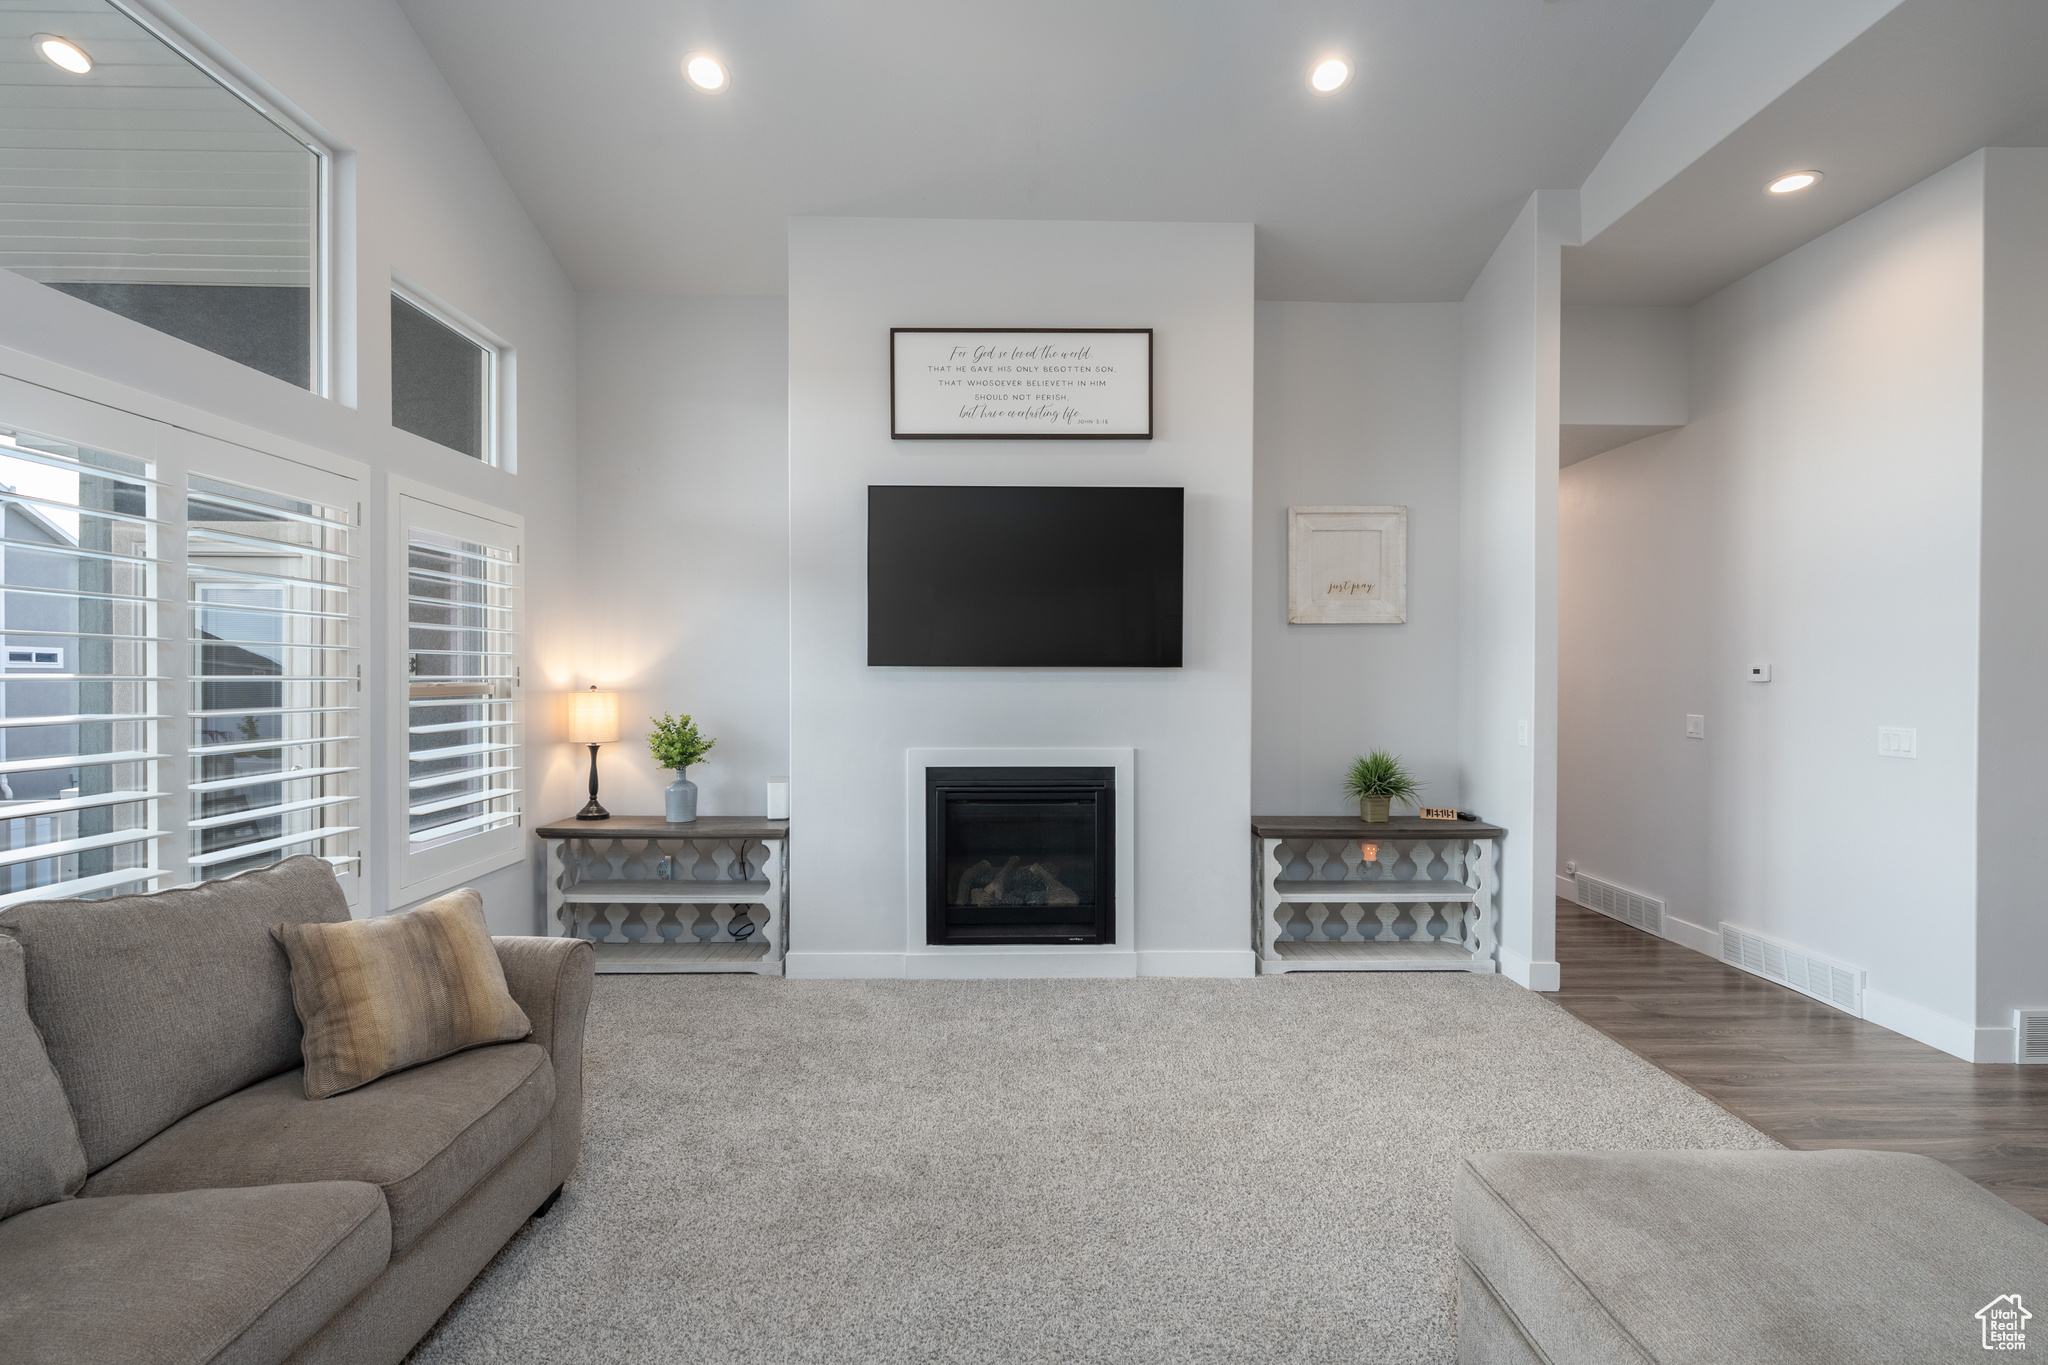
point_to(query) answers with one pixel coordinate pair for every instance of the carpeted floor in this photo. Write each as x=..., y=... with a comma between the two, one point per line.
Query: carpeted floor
x=1014, y=1172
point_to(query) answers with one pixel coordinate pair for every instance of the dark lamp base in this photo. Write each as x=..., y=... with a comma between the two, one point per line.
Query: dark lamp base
x=593, y=811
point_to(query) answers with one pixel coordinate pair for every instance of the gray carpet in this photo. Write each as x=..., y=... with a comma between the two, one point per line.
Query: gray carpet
x=1164, y=1171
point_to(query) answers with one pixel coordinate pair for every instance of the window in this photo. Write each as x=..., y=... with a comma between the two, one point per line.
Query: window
x=272, y=744
x=463, y=757
x=444, y=378
x=80, y=802
x=150, y=187
x=179, y=692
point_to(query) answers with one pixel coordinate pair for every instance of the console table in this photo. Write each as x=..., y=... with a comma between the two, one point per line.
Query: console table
x=1429, y=901
x=707, y=896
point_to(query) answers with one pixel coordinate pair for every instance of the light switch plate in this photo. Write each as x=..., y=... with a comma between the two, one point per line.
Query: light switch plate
x=1759, y=672
x=1898, y=741
x=1522, y=733
x=1695, y=727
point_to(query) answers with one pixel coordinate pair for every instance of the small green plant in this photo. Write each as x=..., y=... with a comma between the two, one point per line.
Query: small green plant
x=675, y=741
x=1379, y=775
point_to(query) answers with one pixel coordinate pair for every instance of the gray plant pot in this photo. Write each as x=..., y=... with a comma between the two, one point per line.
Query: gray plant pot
x=680, y=798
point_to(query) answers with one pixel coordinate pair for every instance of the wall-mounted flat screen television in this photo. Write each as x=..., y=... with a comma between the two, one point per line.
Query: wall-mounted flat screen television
x=1024, y=577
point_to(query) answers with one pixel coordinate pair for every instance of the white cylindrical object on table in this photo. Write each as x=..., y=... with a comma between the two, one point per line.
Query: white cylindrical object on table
x=778, y=798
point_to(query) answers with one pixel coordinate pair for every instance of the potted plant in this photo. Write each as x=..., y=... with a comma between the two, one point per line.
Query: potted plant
x=1377, y=781
x=676, y=743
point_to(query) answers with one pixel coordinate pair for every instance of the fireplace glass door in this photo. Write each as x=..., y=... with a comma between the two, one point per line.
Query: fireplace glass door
x=1020, y=855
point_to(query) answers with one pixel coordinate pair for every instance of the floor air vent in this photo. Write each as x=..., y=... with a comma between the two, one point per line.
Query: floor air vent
x=1644, y=912
x=2032, y=1028
x=1805, y=972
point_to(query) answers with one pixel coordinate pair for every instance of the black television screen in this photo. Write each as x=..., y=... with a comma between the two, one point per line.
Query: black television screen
x=1024, y=577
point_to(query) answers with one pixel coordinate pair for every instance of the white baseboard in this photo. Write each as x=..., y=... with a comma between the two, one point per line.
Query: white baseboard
x=1686, y=934
x=1568, y=889
x=1535, y=976
x=1197, y=962
x=843, y=966
x=1997, y=1045
x=1924, y=1025
x=976, y=966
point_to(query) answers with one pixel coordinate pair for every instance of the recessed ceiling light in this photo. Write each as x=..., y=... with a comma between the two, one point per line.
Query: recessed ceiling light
x=63, y=52
x=706, y=73
x=1329, y=75
x=1798, y=180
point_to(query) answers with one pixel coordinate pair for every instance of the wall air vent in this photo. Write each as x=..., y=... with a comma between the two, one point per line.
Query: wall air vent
x=2031, y=1027
x=1808, y=973
x=1644, y=912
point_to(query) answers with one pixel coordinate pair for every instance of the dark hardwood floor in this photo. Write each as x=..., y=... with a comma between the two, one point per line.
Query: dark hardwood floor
x=1808, y=1075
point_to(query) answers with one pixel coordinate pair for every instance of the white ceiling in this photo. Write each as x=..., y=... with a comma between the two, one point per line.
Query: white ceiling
x=1396, y=188
x=1925, y=86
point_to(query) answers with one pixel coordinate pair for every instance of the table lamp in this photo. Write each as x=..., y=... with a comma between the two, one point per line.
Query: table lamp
x=593, y=720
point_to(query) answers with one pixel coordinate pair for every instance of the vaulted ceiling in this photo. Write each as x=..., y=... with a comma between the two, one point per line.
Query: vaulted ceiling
x=1395, y=188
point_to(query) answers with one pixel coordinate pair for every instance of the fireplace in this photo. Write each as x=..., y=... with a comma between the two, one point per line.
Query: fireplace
x=1020, y=855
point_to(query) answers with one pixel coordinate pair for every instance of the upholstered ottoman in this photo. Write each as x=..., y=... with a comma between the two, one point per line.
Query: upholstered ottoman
x=1712, y=1258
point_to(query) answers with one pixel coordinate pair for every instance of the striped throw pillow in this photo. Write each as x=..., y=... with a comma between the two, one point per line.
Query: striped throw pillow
x=380, y=995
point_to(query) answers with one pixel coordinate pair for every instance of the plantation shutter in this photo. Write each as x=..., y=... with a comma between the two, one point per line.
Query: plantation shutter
x=274, y=735
x=463, y=723
x=81, y=765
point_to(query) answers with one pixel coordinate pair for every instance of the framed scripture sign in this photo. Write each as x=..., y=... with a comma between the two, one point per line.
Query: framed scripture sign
x=1020, y=384
x=1347, y=565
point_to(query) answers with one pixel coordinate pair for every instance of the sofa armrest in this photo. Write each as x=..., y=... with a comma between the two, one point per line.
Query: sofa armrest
x=550, y=978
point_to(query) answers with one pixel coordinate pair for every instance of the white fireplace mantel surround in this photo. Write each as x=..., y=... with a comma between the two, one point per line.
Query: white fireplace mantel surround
x=923, y=959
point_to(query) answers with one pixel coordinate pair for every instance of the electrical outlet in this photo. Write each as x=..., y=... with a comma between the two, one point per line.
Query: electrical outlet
x=1522, y=733
x=1695, y=727
x=1897, y=741
x=1571, y=867
x=1759, y=672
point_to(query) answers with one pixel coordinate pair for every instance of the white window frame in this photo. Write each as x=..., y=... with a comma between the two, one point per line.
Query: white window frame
x=499, y=365
x=330, y=222
x=175, y=453
x=186, y=453
x=414, y=875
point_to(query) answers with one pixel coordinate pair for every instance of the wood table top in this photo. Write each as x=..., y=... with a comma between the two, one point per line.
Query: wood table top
x=1351, y=827
x=654, y=827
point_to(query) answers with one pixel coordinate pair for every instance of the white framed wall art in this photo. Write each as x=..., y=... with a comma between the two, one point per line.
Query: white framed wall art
x=1347, y=565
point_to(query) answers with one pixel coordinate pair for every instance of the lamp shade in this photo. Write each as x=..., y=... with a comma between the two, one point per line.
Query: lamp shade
x=593, y=717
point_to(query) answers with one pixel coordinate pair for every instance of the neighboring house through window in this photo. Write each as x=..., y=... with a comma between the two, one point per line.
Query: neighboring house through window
x=448, y=377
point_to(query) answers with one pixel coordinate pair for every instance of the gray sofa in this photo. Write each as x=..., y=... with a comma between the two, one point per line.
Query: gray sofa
x=222, y=1216
x=1762, y=1258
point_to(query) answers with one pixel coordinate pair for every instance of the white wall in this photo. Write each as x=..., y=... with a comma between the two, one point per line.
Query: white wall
x=1623, y=366
x=850, y=281
x=428, y=201
x=1820, y=513
x=1357, y=403
x=1507, y=664
x=684, y=405
x=2012, y=745
x=1624, y=373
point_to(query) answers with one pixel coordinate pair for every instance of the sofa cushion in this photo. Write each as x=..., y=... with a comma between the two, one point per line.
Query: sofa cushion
x=152, y=1006
x=379, y=995
x=425, y=1136
x=229, y=1277
x=40, y=1156
x=1762, y=1257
